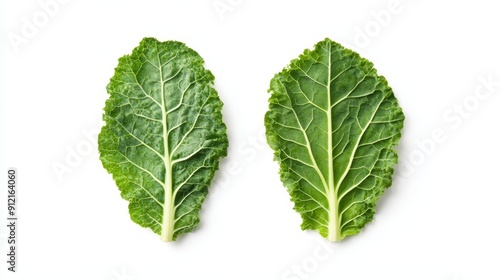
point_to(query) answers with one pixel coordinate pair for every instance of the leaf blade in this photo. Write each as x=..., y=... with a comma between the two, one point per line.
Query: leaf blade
x=349, y=121
x=164, y=135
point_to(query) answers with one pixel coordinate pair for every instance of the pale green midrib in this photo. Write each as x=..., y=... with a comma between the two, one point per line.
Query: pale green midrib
x=333, y=219
x=167, y=226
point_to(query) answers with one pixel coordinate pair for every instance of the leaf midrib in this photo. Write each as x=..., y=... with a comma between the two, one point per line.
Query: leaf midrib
x=167, y=227
x=333, y=229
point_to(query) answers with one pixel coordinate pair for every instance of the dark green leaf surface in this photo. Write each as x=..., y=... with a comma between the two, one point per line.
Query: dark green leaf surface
x=163, y=136
x=333, y=123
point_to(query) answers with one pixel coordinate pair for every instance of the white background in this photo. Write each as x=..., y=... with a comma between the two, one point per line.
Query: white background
x=439, y=221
